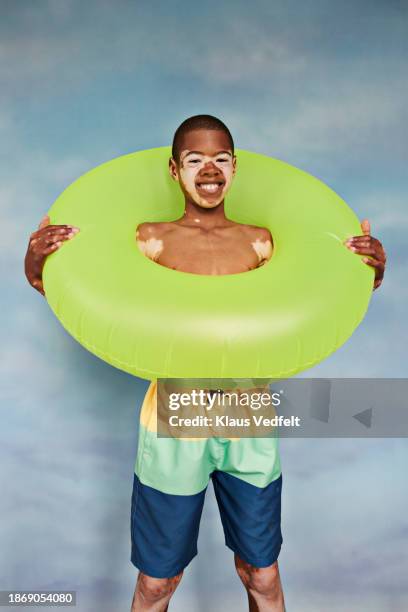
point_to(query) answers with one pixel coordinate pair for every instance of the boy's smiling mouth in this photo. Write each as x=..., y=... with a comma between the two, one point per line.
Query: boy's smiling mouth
x=209, y=187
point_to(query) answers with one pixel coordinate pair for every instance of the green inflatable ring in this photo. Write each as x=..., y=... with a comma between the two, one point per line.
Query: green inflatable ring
x=153, y=322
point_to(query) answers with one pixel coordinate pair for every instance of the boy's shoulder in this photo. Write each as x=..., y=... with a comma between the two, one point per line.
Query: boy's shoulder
x=256, y=232
x=261, y=241
x=153, y=229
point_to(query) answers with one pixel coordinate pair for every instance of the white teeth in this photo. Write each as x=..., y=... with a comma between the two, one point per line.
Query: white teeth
x=210, y=187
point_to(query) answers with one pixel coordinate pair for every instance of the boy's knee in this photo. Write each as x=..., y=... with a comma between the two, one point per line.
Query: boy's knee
x=262, y=580
x=155, y=589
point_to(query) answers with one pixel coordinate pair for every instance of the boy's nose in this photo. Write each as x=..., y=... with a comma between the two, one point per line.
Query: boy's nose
x=210, y=168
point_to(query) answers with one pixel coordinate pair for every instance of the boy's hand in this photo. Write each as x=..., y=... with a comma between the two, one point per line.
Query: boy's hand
x=47, y=239
x=367, y=245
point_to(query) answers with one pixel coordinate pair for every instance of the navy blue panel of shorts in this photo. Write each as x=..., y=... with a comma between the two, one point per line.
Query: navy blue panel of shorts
x=165, y=527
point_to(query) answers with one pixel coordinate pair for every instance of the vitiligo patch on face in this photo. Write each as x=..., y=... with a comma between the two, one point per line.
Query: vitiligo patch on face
x=152, y=247
x=263, y=248
x=191, y=164
x=198, y=160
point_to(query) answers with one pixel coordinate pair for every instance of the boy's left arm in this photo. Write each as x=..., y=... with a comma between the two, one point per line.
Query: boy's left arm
x=367, y=245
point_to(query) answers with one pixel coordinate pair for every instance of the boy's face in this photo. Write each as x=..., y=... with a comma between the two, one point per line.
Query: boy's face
x=206, y=167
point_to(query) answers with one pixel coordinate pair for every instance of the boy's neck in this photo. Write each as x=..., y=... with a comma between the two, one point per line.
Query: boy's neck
x=204, y=217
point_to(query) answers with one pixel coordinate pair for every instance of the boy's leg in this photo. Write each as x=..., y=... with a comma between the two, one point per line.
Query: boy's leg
x=170, y=481
x=248, y=486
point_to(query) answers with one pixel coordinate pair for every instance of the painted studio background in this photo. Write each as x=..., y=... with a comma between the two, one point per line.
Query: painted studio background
x=321, y=85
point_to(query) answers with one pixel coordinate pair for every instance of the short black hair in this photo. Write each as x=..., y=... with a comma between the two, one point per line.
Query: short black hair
x=198, y=122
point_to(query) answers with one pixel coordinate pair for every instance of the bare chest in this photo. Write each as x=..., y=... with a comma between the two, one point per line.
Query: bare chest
x=201, y=252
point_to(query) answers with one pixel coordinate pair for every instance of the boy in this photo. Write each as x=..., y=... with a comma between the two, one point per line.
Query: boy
x=171, y=475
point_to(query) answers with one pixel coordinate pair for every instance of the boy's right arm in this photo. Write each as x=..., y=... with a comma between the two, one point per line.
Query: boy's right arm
x=47, y=239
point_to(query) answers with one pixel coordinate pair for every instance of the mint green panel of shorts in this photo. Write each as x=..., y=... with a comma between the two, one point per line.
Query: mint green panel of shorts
x=182, y=467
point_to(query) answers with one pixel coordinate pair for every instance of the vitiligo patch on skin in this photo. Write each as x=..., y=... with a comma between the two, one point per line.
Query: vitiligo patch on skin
x=152, y=247
x=263, y=249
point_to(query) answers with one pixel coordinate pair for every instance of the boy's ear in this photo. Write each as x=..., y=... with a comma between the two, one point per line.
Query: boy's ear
x=173, y=170
x=234, y=165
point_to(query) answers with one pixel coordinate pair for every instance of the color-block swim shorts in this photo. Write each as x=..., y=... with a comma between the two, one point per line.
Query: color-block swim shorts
x=170, y=481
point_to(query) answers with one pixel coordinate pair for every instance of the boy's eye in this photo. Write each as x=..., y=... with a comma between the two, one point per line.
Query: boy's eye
x=222, y=159
x=194, y=161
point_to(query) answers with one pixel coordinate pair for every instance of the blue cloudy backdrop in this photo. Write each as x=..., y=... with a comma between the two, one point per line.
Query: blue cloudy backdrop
x=322, y=85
